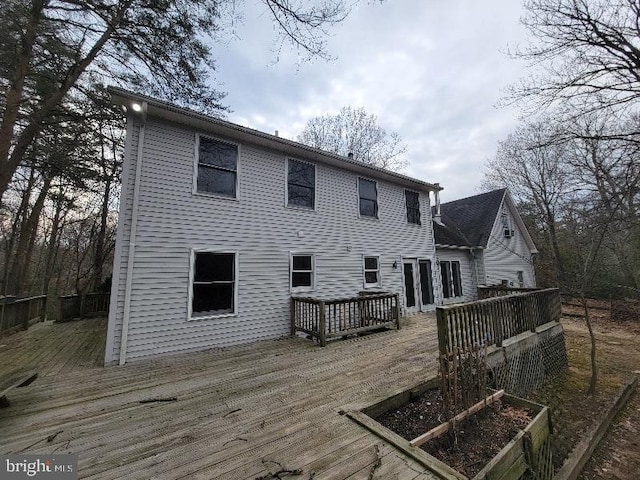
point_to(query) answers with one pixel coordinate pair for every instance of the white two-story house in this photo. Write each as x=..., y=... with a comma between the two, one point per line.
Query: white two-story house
x=220, y=225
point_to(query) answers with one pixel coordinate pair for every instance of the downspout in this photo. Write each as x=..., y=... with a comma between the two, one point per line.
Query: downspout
x=437, y=217
x=132, y=240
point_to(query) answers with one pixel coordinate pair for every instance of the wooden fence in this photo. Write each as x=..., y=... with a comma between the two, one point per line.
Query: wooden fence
x=494, y=319
x=21, y=312
x=323, y=319
x=86, y=304
x=501, y=290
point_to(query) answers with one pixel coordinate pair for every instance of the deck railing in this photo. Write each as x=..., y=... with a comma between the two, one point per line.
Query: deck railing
x=82, y=305
x=22, y=311
x=501, y=290
x=493, y=320
x=324, y=319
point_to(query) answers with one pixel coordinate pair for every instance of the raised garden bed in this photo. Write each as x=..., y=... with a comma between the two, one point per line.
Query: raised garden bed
x=501, y=441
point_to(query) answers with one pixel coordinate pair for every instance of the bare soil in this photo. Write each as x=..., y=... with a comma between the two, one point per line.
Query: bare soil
x=618, y=346
x=474, y=442
x=573, y=411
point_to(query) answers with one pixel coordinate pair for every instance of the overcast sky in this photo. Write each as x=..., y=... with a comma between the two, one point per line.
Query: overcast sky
x=430, y=70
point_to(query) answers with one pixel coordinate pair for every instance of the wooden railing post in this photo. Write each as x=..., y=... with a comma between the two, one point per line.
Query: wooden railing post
x=396, y=311
x=292, y=315
x=443, y=330
x=498, y=318
x=322, y=324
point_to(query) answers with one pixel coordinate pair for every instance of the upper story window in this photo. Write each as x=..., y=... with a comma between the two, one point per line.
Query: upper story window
x=371, y=271
x=301, y=184
x=412, y=200
x=368, y=198
x=214, y=284
x=217, y=167
x=302, y=271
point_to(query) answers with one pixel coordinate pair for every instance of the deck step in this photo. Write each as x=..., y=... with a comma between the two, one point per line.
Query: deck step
x=16, y=379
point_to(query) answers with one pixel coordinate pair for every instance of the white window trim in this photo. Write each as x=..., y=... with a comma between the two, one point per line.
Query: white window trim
x=367, y=217
x=378, y=284
x=192, y=271
x=293, y=289
x=286, y=186
x=196, y=155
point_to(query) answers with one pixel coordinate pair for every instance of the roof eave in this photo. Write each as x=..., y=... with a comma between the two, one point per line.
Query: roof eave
x=167, y=111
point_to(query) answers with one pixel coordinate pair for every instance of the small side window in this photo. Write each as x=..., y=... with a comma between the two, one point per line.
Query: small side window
x=302, y=271
x=371, y=272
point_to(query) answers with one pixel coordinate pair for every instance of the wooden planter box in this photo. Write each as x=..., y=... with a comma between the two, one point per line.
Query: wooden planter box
x=529, y=448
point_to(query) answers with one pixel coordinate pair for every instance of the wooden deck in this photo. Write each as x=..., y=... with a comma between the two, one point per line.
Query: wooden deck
x=239, y=413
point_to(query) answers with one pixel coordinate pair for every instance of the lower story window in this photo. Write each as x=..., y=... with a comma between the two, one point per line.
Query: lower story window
x=214, y=284
x=302, y=266
x=371, y=272
x=451, y=279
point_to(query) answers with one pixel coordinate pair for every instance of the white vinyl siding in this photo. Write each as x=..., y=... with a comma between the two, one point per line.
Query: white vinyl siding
x=504, y=256
x=173, y=222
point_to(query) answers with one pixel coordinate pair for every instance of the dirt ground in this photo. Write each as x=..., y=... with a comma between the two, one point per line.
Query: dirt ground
x=573, y=411
x=475, y=441
x=618, y=344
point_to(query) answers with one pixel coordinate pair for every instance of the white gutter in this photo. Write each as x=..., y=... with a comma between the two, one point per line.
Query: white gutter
x=132, y=241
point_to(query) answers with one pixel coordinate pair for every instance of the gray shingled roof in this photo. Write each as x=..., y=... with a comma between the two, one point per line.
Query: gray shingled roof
x=469, y=221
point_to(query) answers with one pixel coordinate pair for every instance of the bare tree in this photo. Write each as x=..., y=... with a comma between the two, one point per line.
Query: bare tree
x=49, y=50
x=530, y=162
x=354, y=131
x=588, y=51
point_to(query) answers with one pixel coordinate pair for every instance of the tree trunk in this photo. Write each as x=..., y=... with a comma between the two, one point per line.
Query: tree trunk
x=24, y=249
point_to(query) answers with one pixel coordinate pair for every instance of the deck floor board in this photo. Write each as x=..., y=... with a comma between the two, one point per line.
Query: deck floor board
x=240, y=412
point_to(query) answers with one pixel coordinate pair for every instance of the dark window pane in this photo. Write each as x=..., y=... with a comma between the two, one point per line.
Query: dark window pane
x=214, y=180
x=413, y=207
x=217, y=298
x=301, y=196
x=367, y=189
x=445, y=273
x=413, y=216
x=371, y=277
x=426, y=284
x=214, y=267
x=409, y=286
x=218, y=154
x=301, y=279
x=371, y=263
x=368, y=208
x=412, y=199
x=457, y=280
x=302, y=174
x=302, y=262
